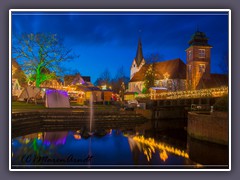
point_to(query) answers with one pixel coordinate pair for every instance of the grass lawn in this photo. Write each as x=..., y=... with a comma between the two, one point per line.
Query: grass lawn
x=32, y=106
x=24, y=105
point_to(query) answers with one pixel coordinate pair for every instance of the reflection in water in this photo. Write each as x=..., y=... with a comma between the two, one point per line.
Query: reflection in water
x=163, y=155
x=207, y=153
x=71, y=148
x=149, y=146
x=77, y=136
x=55, y=138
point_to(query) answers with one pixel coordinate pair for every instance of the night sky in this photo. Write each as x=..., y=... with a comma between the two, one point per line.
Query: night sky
x=109, y=40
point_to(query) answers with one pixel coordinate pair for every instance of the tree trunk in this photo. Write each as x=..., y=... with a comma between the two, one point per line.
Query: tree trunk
x=38, y=78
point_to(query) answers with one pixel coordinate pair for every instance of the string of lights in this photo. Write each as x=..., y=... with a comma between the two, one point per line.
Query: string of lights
x=202, y=93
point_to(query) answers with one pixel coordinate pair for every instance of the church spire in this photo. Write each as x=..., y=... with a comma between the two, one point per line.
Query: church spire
x=139, y=55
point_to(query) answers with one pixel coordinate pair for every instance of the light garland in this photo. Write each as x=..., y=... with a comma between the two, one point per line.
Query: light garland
x=202, y=93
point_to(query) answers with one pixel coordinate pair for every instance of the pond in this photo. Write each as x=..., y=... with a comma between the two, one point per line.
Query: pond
x=110, y=149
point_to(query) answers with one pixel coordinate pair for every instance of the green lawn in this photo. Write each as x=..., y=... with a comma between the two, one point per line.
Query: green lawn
x=24, y=105
x=32, y=106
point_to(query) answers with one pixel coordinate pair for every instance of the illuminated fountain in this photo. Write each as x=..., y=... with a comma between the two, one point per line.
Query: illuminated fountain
x=91, y=115
x=90, y=129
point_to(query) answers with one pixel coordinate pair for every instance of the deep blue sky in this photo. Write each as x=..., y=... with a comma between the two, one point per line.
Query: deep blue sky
x=109, y=40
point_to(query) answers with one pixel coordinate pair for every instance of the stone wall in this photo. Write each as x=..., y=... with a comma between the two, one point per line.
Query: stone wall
x=209, y=127
x=29, y=122
x=170, y=113
x=147, y=113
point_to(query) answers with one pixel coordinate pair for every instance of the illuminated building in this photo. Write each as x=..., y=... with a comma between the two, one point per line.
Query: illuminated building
x=170, y=74
x=198, y=59
x=77, y=79
x=174, y=74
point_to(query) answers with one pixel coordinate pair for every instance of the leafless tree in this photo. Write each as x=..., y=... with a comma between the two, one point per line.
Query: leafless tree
x=40, y=55
x=104, y=78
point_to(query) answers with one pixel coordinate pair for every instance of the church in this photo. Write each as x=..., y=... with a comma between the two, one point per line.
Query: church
x=174, y=74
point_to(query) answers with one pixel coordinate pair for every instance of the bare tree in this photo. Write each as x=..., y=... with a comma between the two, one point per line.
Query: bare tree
x=40, y=55
x=120, y=82
x=104, y=79
x=153, y=58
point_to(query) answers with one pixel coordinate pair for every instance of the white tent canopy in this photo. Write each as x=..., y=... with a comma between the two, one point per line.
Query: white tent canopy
x=31, y=92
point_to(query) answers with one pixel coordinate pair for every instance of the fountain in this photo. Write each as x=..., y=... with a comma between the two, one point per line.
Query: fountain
x=90, y=129
x=91, y=115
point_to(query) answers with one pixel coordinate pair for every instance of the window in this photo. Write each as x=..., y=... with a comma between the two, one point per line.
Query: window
x=160, y=84
x=201, y=68
x=189, y=69
x=201, y=53
x=189, y=55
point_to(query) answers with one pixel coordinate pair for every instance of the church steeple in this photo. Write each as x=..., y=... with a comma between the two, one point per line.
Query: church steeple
x=139, y=54
x=138, y=61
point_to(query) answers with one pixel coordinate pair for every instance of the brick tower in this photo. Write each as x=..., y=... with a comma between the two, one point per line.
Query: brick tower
x=198, y=60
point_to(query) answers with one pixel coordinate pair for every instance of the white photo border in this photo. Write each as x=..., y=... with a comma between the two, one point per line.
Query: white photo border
x=119, y=10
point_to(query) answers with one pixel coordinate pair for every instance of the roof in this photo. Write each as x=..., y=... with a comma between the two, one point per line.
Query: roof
x=73, y=79
x=139, y=54
x=93, y=88
x=216, y=80
x=86, y=88
x=199, y=39
x=174, y=69
x=86, y=78
x=136, y=89
x=15, y=81
x=18, y=73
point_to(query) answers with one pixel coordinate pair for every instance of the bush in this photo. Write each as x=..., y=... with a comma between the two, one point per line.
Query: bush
x=221, y=104
x=144, y=90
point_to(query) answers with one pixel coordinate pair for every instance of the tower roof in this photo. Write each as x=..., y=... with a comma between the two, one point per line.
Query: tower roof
x=199, y=39
x=139, y=55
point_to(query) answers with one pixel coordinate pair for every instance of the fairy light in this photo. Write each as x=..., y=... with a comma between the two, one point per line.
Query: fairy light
x=212, y=92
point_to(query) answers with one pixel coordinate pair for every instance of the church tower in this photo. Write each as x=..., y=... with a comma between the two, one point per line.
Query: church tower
x=198, y=60
x=138, y=61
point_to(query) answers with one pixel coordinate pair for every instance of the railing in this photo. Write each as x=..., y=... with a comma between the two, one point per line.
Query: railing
x=203, y=93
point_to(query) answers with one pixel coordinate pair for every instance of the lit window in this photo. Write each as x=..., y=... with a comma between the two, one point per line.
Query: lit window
x=201, y=53
x=201, y=68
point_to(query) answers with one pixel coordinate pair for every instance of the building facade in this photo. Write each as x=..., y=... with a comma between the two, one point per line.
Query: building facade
x=175, y=75
x=169, y=74
x=198, y=60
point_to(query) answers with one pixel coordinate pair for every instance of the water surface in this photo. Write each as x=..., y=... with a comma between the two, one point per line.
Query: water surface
x=114, y=149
